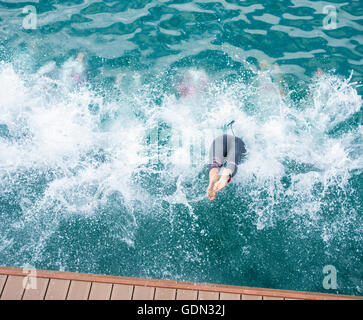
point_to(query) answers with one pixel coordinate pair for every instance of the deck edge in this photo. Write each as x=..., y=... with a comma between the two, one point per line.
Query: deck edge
x=148, y=282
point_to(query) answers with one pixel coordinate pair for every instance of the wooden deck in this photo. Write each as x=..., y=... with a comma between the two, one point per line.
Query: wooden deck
x=56, y=285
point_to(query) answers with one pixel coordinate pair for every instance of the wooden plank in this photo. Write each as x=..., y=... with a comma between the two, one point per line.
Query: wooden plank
x=100, y=291
x=182, y=294
x=122, y=292
x=165, y=294
x=208, y=295
x=79, y=290
x=14, y=288
x=181, y=285
x=272, y=298
x=143, y=293
x=229, y=296
x=251, y=297
x=38, y=292
x=3, y=278
x=57, y=289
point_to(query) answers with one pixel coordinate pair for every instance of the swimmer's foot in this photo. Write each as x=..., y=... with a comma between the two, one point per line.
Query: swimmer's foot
x=210, y=191
x=221, y=184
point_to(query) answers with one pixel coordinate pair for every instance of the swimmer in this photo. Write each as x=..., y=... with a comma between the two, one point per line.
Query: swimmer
x=228, y=151
x=319, y=72
x=317, y=75
x=263, y=65
x=78, y=72
x=74, y=69
x=279, y=79
x=193, y=83
x=277, y=76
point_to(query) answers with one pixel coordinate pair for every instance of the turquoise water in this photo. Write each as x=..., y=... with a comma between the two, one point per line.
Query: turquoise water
x=103, y=160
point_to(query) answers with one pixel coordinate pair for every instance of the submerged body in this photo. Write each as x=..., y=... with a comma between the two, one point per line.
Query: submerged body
x=193, y=83
x=227, y=151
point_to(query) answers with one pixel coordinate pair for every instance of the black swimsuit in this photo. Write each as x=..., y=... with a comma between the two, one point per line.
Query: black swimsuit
x=228, y=150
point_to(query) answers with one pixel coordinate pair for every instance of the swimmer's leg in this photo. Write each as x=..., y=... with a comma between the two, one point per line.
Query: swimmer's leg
x=235, y=153
x=222, y=182
x=215, y=162
x=213, y=178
